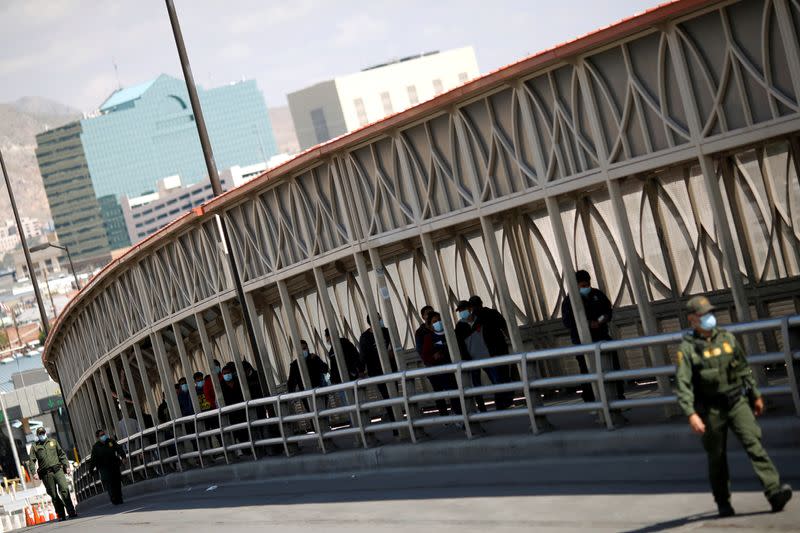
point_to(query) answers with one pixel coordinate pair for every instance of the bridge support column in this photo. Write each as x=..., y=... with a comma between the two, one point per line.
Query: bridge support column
x=262, y=361
x=137, y=406
x=374, y=318
x=234, y=346
x=440, y=295
x=568, y=273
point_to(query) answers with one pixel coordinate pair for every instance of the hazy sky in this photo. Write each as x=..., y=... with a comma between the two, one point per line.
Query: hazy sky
x=65, y=49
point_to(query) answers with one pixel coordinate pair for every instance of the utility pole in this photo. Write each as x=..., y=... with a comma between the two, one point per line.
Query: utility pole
x=213, y=177
x=25, y=250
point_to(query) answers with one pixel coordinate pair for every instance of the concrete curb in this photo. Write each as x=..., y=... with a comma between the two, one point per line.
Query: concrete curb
x=629, y=454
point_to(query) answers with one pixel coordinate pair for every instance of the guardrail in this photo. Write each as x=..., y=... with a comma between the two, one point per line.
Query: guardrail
x=284, y=421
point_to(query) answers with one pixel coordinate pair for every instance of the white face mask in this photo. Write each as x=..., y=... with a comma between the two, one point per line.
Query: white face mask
x=41, y=437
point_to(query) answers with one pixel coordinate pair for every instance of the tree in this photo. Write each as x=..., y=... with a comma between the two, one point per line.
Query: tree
x=3, y=338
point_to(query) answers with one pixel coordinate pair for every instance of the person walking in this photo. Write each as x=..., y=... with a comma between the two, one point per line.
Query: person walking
x=473, y=347
x=107, y=457
x=494, y=328
x=436, y=353
x=599, y=312
x=716, y=391
x=352, y=359
x=52, y=469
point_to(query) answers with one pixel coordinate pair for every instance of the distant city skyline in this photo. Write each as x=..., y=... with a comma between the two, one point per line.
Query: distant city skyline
x=67, y=50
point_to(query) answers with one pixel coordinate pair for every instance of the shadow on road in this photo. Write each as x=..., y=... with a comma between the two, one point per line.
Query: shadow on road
x=686, y=520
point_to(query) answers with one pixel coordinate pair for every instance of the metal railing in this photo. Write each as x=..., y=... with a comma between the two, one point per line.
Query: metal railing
x=280, y=424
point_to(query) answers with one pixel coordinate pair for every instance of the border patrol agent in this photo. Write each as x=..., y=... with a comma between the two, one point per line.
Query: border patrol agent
x=106, y=458
x=53, y=466
x=714, y=385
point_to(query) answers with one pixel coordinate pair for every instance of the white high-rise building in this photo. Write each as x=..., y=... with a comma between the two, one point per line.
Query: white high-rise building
x=346, y=103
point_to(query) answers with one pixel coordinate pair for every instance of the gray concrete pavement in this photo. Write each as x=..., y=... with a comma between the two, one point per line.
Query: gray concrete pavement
x=507, y=497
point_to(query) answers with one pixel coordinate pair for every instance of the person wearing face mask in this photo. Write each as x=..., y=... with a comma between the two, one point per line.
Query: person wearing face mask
x=199, y=389
x=107, y=457
x=52, y=469
x=435, y=353
x=717, y=391
x=599, y=312
x=470, y=341
x=317, y=369
x=184, y=400
x=494, y=328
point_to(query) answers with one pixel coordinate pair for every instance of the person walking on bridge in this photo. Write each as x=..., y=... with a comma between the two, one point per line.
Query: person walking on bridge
x=52, y=470
x=717, y=391
x=107, y=457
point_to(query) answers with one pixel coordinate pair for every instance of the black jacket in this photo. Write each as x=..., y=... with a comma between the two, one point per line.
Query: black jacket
x=352, y=360
x=106, y=455
x=316, y=368
x=369, y=352
x=596, y=305
x=495, y=330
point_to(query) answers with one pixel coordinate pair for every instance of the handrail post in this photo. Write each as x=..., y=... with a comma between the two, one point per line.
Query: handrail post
x=250, y=430
x=526, y=389
x=358, y=415
x=409, y=413
x=601, y=385
x=317, y=426
x=791, y=374
x=462, y=400
x=279, y=411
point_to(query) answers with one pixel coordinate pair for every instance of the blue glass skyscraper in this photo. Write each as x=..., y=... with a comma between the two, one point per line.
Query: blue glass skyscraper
x=140, y=135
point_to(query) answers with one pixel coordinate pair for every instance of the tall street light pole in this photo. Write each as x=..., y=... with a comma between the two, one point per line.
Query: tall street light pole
x=213, y=176
x=24, y=242
x=40, y=247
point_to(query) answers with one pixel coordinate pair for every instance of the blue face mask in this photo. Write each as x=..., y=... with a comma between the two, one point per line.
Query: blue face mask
x=42, y=437
x=185, y=387
x=381, y=323
x=463, y=315
x=708, y=321
x=585, y=291
x=217, y=369
x=438, y=327
x=199, y=384
x=103, y=438
x=227, y=377
x=305, y=353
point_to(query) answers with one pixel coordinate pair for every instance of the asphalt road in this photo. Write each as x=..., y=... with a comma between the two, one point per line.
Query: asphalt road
x=480, y=499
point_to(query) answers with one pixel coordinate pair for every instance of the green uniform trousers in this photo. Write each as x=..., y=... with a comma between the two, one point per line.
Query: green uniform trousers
x=57, y=487
x=740, y=419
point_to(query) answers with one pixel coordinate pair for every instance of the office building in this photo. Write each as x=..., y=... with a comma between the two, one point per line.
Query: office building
x=341, y=105
x=146, y=214
x=9, y=236
x=73, y=204
x=138, y=136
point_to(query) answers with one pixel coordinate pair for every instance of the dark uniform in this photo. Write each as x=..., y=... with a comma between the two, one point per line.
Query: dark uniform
x=106, y=459
x=714, y=380
x=52, y=468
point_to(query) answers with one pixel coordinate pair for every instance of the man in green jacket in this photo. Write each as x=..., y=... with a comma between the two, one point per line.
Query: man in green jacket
x=52, y=470
x=106, y=458
x=717, y=391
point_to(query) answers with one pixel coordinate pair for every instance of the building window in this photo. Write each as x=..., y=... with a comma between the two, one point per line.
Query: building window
x=360, y=111
x=320, y=125
x=386, y=99
x=437, y=87
x=412, y=94
x=462, y=77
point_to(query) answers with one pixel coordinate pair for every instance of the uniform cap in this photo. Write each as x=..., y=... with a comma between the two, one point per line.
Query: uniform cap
x=699, y=305
x=41, y=431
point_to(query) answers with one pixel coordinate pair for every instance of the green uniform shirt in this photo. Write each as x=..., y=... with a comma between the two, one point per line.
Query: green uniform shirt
x=106, y=455
x=711, y=369
x=48, y=454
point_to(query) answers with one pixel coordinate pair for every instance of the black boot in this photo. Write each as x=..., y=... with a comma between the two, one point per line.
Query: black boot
x=725, y=509
x=779, y=500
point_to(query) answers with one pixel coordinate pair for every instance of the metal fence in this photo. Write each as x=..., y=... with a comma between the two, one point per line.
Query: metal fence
x=279, y=424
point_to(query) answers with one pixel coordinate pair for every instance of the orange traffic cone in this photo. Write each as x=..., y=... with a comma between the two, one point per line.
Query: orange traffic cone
x=37, y=519
x=29, y=517
x=43, y=513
